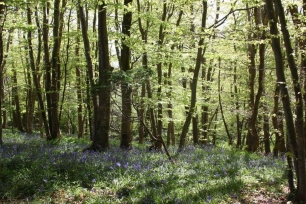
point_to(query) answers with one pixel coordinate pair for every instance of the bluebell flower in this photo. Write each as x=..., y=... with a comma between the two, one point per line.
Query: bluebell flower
x=118, y=164
x=208, y=198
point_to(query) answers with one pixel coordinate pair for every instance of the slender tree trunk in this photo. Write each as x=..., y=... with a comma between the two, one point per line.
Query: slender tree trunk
x=47, y=66
x=2, y=11
x=291, y=131
x=30, y=104
x=61, y=101
x=266, y=129
x=199, y=58
x=79, y=84
x=144, y=37
x=101, y=91
x=43, y=124
x=141, y=129
x=253, y=137
x=28, y=116
x=237, y=107
x=301, y=43
x=275, y=123
x=36, y=77
x=15, y=102
x=90, y=84
x=299, y=128
x=56, y=72
x=161, y=37
x=230, y=139
x=126, y=91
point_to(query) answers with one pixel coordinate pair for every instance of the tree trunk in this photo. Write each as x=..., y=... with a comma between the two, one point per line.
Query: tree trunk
x=28, y=116
x=90, y=84
x=299, y=128
x=55, y=73
x=101, y=91
x=126, y=90
x=266, y=129
x=144, y=37
x=199, y=58
x=79, y=84
x=291, y=131
x=102, y=119
x=275, y=123
x=2, y=11
x=17, y=121
x=253, y=137
x=230, y=139
x=36, y=77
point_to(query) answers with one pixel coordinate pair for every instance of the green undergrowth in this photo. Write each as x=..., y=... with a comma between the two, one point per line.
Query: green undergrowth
x=34, y=171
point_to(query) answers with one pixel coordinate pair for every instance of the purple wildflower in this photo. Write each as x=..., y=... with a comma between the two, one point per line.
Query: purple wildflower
x=208, y=199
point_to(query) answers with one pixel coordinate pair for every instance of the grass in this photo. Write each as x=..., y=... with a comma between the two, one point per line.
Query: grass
x=34, y=171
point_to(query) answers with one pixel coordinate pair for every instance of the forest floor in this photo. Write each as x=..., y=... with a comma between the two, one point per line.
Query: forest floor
x=35, y=171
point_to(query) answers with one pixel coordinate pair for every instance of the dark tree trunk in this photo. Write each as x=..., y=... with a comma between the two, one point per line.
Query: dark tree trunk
x=168, y=83
x=101, y=91
x=79, y=85
x=292, y=131
x=55, y=73
x=90, y=84
x=199, y=59
x=47, y=65
x=275, y=123
x=2, y=11
x=30, y=103
x=15, y=102
x=237, y=107
x=102, y=119
x=253, y=137
x=36, y=77
x=126, y=91
x=28, y=116
x=266, y=129
x=144, y=37
x=161, y=36
x=299, y=128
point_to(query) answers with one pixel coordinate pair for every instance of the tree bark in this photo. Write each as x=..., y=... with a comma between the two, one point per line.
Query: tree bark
x=91, y=95
x=2, y=11
x=100, y=92
x=126, y=90
x=299, y=124
x=253, y=137
x=276, y=46
x=275, y=123
x=36, y=77
x=79, y=84
x=102, y=120
x=199, y=58
x=15, y=102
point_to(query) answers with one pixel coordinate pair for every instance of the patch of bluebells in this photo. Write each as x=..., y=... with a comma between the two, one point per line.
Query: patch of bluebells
x=199, y=165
